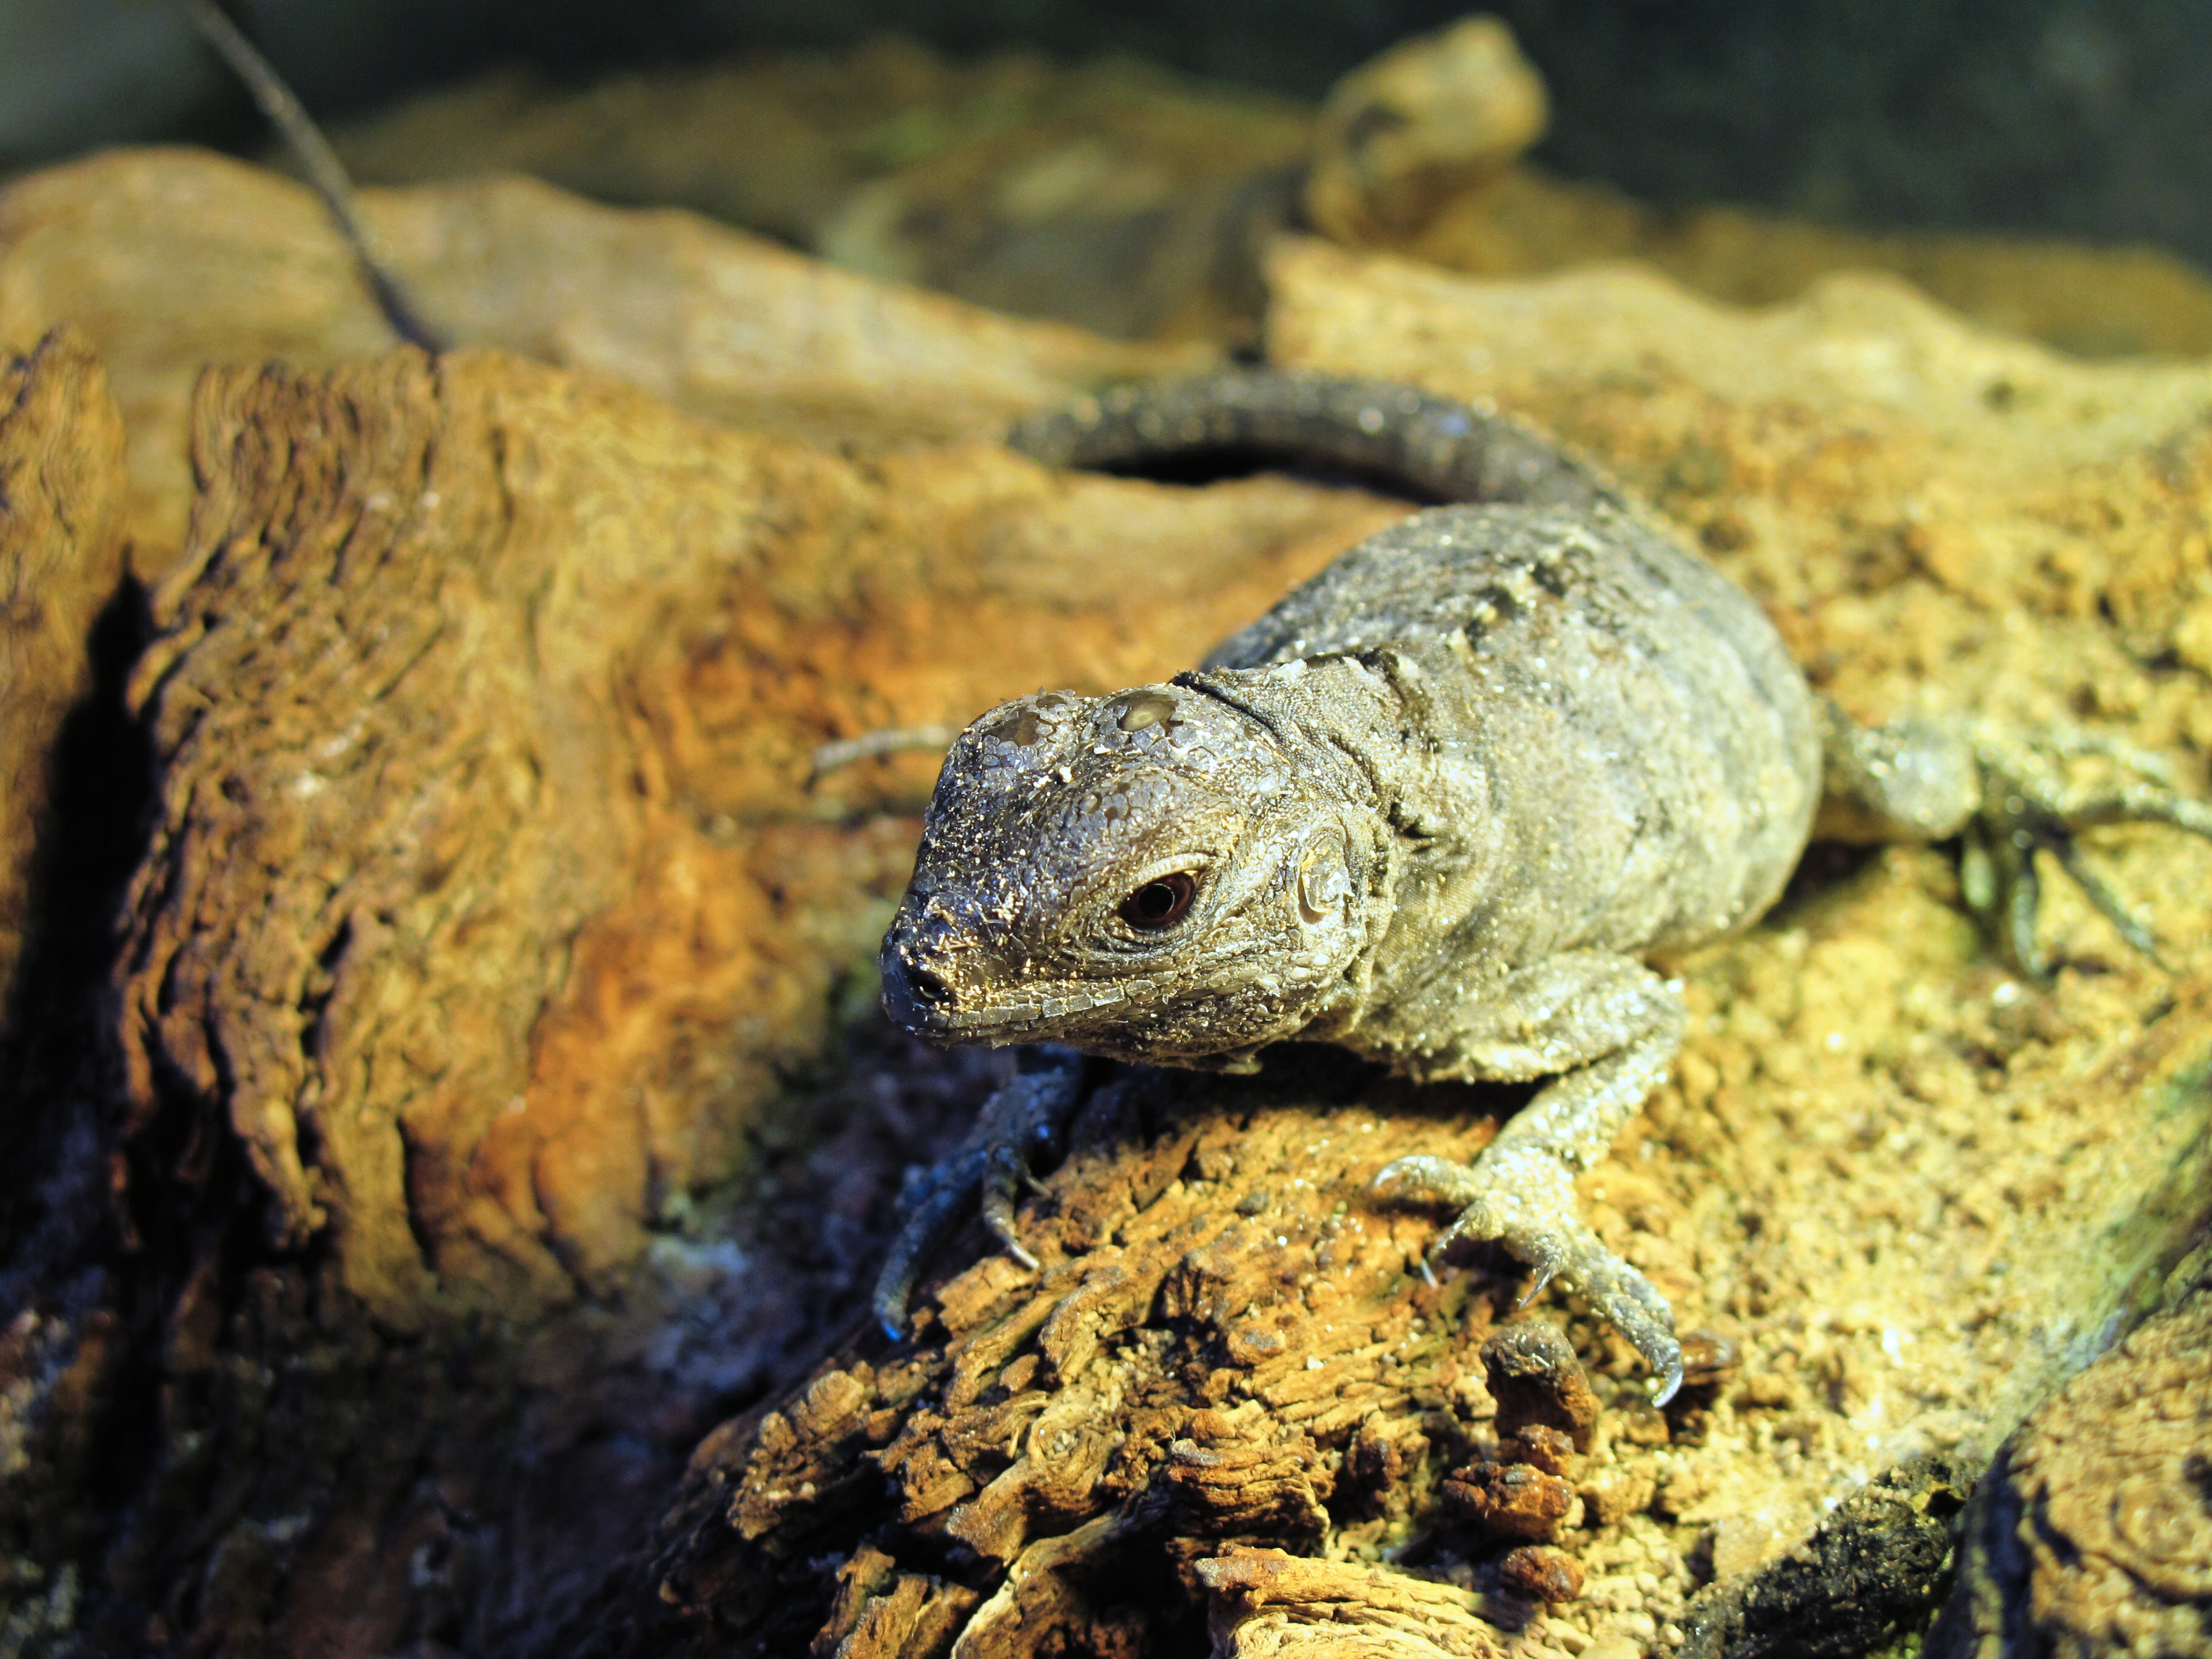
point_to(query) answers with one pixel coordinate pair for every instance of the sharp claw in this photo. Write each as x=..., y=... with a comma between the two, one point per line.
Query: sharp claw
x=940, y=1199
x=1979, y=881
x=2106, y=902
x=998, y=1221
x=1007, y=1172
x=1563, y=1252
x=2023, y=895
x=1031, y=1112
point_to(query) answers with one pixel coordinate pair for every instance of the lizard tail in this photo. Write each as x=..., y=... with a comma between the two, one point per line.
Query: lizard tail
x=1433, y=449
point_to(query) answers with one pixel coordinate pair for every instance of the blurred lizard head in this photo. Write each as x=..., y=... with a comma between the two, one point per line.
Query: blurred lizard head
x=1144, y=876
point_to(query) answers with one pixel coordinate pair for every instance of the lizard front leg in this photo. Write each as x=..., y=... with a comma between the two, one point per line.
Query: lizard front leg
x=1606, y=1028
x=1022, y=1124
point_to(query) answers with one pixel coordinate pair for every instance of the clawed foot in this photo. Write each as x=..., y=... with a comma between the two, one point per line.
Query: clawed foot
x=1022, y=1126
x=2031, y=799
x=1525, y=1200
x=2006, y=794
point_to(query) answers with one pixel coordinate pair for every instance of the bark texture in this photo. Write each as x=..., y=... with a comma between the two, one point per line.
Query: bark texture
x=486, y=897
x=61, y=558
x=488, y=925
x=1857, y=1186
x=2092, y=1533
x=1228, y=1349
x=464, y=1099
x=70, y=796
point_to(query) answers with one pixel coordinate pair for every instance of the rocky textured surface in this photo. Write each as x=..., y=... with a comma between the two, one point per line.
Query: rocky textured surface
x=1136, y=203
x=1429, y=121
x=2092, y=1533
x=488, y=927
x=1865, y=1577
x=2104, y=302
x=1110, y=194
x=69, y=801
x=515, y=818
x=1823, y=1190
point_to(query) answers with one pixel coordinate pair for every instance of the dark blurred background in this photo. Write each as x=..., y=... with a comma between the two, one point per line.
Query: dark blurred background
x=2053, y=116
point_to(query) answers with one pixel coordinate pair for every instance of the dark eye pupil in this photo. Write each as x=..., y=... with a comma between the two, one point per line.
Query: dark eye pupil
x=1159, y=903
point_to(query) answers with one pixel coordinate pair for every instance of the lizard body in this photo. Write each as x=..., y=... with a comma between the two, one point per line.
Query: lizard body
x=1435, y=806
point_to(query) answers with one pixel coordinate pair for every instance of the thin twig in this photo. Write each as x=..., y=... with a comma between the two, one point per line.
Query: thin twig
x=875, y=745
x=326, y=173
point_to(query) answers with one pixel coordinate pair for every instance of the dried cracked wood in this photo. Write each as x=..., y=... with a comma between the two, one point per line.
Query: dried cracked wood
x=486, y=899
x=486, y=903
x=1229, y=1347
x=60, y=515
x=2093, y=1534
x=61, y=558
x=1909, y=1191
x=489, y=924
x=172, y=259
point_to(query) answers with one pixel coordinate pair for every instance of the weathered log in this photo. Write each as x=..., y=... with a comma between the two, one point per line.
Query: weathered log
x=171, y=259
x=486, y=896
x=2092, y=1533
x=61, y=558
x=490, y=941
x=488, y=928
x=1229, y=1343
x=71, y=793
x=1910, y=1194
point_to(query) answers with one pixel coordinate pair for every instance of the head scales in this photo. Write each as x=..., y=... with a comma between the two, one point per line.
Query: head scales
x=1144, y=875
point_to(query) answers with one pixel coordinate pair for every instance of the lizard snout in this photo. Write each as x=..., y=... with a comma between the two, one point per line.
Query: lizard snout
x=915, y=990
x=922, y=976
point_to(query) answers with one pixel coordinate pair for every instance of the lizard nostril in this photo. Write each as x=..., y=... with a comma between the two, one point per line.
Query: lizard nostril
x=928, y=986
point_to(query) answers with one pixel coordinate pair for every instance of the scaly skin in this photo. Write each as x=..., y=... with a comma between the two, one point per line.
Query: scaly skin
x=1435, y=807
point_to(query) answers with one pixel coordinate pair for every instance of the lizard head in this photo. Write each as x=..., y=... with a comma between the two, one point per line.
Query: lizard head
x=1144, y=876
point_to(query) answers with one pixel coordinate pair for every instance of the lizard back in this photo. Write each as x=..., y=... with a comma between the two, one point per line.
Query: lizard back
x=1601, y=725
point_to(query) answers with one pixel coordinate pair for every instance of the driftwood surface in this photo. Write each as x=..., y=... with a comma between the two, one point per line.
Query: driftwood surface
x=480, y=1110
x=2092, y=1533
x=61, y=557
x=169, y=260
x=1900, y=1194
x=483, y=917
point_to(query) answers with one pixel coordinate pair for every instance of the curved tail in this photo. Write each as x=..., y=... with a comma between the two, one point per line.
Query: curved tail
x=1434, y=449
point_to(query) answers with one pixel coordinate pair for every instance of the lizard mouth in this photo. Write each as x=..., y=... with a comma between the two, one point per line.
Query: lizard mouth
x=926, y=1003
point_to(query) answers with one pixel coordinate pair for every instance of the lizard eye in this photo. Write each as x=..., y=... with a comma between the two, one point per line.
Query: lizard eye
x=1161, y=903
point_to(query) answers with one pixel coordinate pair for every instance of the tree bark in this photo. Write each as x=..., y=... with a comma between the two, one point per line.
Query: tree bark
x=485, y=927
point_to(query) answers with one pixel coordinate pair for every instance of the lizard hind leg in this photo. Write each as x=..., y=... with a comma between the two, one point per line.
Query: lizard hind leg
x=2033, y=798
x=2008, y=794
x=1624, y=1027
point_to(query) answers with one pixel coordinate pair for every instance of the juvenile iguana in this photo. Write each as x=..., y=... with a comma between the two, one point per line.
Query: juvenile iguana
x=1435, y=806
